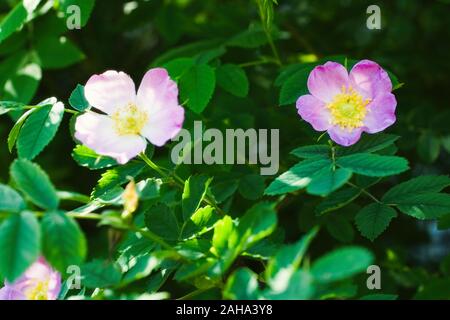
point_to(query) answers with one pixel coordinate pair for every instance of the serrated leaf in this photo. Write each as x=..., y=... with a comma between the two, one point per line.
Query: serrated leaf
x=194, y=192
x=422, y=184
x=200, y=222
x=314, y=151
x=7, y=106
x=252, y=186
x=341, y=264
x=63, y=243
x=86, y=157
x=77, y=99
x=297, y=177
x=34, y=183
x=295, y=86
x=178, y=67
x=283, y=265
x=424, y=205
x=19, y=244
x=232, y=79
x=242, y=285
x=373, y=165
x=336, y=200
x=253, y=37
x=328, y=180
x=116, y=177
x=373, y=219
x=10, y=200
x=161, y=220
x=14, y=133
x=39, y=130
x=100, y=274
x=340, y=228
x=197, y=87
x=369, y=143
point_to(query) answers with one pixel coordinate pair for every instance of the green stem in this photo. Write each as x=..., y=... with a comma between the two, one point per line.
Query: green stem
x=269, y=36
x=367, y=193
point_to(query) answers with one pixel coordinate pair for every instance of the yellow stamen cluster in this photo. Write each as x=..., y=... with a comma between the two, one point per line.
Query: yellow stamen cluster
x=38, y=292
x=348, y=109
x=129, y=120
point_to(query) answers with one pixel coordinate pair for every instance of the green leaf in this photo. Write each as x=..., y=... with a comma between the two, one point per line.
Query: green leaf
x=295, y=86
x=252, y=186
x=369, y=143
x=301, y=287
x=57, y=52
x=100, y=274
x=224, y=189
x=223, y=231
x=86, y=157
x=428, y=147
x=161, y=220
x=341, y=264
x=114, y=178
x=14, y=133
x=340, y=228
x=85, y=9
x=242, y=285
x=373, y=219
x=233, y=79
x=257, y=223
x=284, y=264
x=23, y=79
x=19, y=244
x=63, y=243
x=314, y=151
x=16, y=18
x=297, y=177
x=201, y=221
x=10, y=200
x=149, y=188
x=34, y=182
x=178, y=67
x=197, y=87
x=337, y=200
x=253, y=37
x=78, y=100
x=7, y=106
x=424, y=205
x=39, y=130
x=328, y=180
x=142, y=267
x=194, y=192
x=422, y=184
x=373, y=165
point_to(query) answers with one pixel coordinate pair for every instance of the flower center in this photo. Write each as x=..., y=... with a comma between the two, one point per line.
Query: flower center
x=39, y=291
x=129, y=120
x=348, y=109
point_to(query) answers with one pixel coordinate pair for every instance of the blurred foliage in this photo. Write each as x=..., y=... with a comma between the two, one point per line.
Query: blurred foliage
x=242, y=51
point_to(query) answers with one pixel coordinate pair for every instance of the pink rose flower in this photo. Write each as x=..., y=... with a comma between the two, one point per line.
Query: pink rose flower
x=347, y=104
x=39, y=282
x=130, y=119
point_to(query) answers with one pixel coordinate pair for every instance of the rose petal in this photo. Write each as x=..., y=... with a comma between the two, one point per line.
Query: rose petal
x=157, y=91
x=164, y=125
x=10, y=293
x=327, y=80
x=109, y=91
x=380, y=113
x=314, y=111
x=97, y=132
x=369, y=79
x=344, y=137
